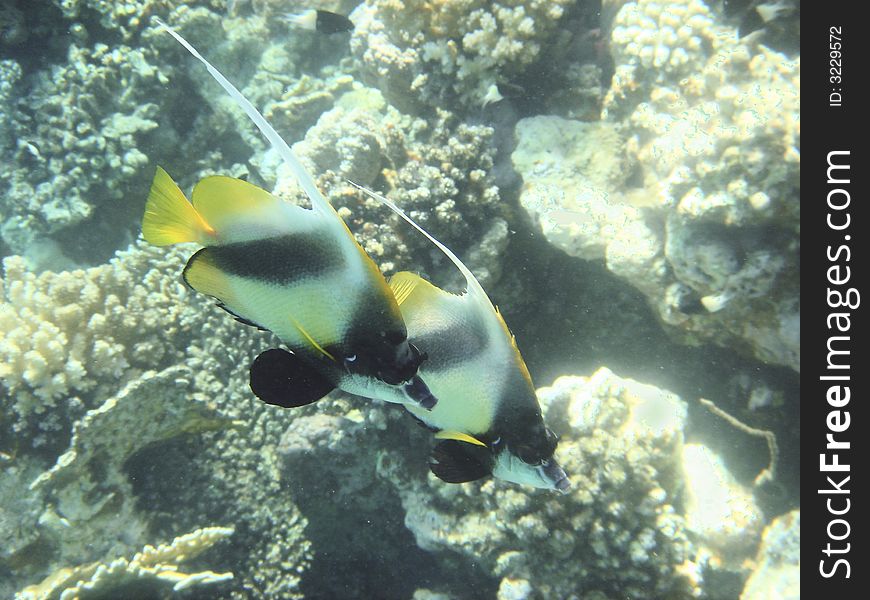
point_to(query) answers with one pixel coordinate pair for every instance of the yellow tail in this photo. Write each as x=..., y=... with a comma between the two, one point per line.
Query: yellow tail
x=170, y=218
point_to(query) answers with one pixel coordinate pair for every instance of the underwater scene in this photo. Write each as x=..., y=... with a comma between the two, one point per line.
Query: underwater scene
x=400, y=299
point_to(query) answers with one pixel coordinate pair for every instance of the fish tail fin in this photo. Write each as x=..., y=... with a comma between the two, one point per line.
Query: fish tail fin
x=169, y=218
x=304, y=20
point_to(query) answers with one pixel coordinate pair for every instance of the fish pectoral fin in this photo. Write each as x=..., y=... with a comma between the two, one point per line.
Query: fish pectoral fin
x=444, y=434
x=169, y=218
x=311, y=341
x=457, y=461
x=281, y=378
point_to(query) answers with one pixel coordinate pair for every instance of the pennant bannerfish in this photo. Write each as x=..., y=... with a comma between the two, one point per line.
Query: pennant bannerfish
x=488, y=420
x=294, y=271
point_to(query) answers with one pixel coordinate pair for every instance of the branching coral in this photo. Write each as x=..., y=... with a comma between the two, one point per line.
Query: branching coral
x=720, y=147
x=149, y=571
x=83, y=333
x=79, y=140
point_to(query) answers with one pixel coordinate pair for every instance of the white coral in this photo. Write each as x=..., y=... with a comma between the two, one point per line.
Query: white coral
x=427, y=50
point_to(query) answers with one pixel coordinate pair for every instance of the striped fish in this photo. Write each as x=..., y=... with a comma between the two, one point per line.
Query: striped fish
x=293, y=271
x=487, y=419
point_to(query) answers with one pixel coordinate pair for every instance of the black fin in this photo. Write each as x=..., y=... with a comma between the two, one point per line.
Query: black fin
x=458, y=462
x=330, y=22
x=239, y=318
x=279, y=377
x=750, y=22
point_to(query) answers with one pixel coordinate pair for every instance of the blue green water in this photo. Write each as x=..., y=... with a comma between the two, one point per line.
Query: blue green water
x=621, y=177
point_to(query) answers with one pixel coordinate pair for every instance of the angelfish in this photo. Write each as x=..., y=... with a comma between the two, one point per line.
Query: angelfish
x=488, y=420
x=294, y=271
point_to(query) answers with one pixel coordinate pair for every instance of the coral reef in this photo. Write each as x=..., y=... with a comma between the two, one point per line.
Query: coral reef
x=571, y=173
x=619, y=530
x=112, y=323
x=75, y=335
x=722, y=515
x=95, y=113
x=19, y=514
x=105, y=113
x=710, y=230
x=777, y=573
x=647, y=515
x=125, y=411
x=87, y=493
x=145, y=573
x=421, y=52
x=10, y=73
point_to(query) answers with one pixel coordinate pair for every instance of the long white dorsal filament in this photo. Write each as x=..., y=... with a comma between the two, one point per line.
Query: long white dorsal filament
x=474, y=286
x=302, y=176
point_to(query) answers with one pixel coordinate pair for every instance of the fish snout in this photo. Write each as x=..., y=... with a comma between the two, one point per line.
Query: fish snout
x=419, y=392
x=557, y=477
x=563, y=486
x=403, y=367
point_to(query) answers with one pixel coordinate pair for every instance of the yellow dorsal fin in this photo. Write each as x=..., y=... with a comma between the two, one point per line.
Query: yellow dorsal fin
x=517, y=354
x=225, y=200
x=411, y=289
x=458, y=436
x=169, y=218
x=403, y=284
x=507, y=330
x=311, y=340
